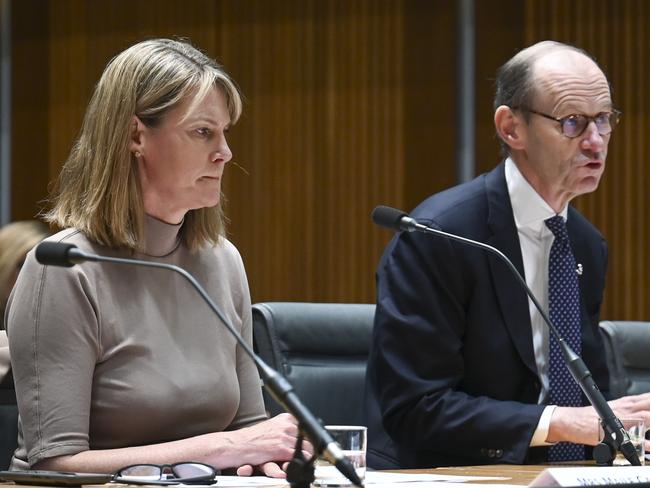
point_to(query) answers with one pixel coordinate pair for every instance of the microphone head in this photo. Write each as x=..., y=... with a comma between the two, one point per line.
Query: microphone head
x=389, y=217
x=54, y=253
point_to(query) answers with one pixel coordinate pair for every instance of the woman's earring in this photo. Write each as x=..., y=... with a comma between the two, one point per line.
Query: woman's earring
x=137, y=154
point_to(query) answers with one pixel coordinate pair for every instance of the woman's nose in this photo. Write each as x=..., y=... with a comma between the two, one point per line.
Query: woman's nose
x=221, y=155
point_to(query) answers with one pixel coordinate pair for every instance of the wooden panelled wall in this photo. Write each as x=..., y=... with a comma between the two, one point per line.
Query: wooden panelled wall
x=617, y=34
x=349, y=104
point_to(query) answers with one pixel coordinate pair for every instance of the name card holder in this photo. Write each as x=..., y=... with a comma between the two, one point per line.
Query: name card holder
x=637, y=476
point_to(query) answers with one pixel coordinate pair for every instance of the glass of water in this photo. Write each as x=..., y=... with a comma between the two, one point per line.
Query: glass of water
x=353, y=441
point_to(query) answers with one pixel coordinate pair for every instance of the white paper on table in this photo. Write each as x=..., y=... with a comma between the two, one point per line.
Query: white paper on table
x=376, y=477
x=444, y=484
x=243, y=481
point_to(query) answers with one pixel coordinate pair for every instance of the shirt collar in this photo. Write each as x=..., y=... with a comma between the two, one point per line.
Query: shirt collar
x=161, y=238
x=528, y=207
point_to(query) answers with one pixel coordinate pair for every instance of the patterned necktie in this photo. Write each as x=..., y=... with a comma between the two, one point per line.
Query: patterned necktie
x=564, y=312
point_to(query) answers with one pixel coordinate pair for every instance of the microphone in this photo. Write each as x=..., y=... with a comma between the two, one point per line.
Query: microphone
x=616, y=434
x=60, y=254
x=67, y=255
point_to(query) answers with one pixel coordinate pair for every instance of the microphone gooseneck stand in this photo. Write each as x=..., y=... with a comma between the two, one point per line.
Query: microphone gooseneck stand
x=616, y=437
x=301, y=471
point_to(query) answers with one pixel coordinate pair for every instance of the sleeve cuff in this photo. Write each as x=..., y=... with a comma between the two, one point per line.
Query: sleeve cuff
x=541, y=432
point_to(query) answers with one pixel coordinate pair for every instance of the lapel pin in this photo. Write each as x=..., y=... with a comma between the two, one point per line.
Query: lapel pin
x=579, y=269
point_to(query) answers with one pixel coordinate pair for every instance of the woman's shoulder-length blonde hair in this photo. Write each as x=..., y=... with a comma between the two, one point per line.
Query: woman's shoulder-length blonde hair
x=98, y=190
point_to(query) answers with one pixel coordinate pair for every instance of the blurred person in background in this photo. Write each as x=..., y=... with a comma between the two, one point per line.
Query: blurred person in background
x=16, y=239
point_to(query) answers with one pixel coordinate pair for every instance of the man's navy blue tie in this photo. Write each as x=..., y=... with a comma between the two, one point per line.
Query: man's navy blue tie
x=564, y=312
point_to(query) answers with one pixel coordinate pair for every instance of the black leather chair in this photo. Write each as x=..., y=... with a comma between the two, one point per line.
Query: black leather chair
x=8, y=421
x=322, y=349
x=627, y=345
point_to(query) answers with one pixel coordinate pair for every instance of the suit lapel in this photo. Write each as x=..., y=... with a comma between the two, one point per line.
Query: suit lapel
x=511, y=297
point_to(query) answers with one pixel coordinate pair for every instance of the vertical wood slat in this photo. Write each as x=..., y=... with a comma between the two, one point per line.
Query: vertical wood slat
x=335, y=74
x=616, y=34
x=30, y=98
x=642, y=132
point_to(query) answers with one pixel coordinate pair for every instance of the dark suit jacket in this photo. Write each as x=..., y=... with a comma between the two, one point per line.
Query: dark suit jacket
x=452, y=376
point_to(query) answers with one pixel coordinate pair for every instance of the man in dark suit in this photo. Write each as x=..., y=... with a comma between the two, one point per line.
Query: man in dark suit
x=462, y=369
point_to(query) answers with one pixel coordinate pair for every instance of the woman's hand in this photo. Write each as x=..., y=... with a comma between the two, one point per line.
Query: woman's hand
x=270, y=469
x=263, y=443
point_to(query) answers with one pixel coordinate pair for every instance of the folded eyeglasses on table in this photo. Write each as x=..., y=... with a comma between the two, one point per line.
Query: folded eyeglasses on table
x=189, y=472
x=166, y=474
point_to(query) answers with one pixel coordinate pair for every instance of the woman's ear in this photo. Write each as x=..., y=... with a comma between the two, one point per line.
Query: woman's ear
x=136, y=144
x=509, y=126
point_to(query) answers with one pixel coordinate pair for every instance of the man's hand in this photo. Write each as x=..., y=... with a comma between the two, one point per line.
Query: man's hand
x=580, y=425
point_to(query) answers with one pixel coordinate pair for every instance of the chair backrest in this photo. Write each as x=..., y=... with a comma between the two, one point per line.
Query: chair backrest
x=627, y=344
x=8, y=421
x=322, y=349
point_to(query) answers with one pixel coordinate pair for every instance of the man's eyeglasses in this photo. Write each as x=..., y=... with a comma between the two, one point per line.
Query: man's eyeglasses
x=166, y=474
x=575, y=124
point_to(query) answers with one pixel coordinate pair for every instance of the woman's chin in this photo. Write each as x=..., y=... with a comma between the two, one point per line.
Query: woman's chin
x=207, y=203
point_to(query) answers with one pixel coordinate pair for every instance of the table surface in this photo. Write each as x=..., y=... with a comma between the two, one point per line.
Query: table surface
x=516, y=474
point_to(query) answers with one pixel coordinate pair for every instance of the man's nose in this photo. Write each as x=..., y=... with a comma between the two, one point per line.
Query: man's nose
x=591, y=139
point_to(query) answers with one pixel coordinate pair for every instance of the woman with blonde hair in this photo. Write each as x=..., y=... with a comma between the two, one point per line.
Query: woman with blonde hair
x=117, y=366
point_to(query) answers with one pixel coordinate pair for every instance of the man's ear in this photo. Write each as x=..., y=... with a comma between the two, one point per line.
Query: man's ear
x=136, y=143
x=510, y=127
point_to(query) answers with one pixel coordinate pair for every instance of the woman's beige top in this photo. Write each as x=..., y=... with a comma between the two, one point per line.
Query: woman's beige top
x=108, y=356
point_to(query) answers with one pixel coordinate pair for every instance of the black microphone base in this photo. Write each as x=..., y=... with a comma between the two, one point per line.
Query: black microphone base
x=604, y=454
x=300, y=472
